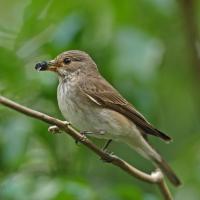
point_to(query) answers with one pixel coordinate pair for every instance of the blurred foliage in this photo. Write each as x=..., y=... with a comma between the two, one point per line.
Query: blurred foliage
x=140, y=47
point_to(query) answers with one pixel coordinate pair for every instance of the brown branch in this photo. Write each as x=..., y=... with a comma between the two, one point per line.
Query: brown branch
x=155, y=177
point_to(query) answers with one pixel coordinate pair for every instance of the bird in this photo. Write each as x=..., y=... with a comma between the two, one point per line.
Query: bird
x=89, y=102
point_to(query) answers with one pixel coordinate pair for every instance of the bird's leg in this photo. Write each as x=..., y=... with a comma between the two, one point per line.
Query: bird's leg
x=106, y=145
x=99, y=132
x=84, y=133
x=55, y=129
x=107, y=159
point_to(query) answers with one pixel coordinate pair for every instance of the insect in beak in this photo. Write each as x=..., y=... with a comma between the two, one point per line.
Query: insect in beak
x=46, y=66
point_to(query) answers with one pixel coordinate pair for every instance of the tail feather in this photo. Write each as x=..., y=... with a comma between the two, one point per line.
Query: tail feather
x=164, y=136
x=147, y=151
x=167, y=170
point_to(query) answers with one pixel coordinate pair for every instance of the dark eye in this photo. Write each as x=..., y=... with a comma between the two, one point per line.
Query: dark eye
x=67, y=60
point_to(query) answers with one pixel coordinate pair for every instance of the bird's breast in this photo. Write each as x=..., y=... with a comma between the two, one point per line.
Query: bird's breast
x=74, y=106
x=67, y=99
x=84, y=115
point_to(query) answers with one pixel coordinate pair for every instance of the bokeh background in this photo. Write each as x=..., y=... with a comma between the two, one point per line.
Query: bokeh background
x=148, y=49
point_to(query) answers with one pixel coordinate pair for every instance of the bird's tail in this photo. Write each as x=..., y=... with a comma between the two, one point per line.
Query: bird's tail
x=145, y=149
x=167, y=170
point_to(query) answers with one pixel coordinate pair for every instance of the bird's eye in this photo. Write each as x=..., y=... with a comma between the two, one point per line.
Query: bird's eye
x=67, y=60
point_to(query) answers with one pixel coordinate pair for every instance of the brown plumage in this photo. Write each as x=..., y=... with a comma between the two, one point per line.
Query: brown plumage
x=108, y=97
x=90, y=103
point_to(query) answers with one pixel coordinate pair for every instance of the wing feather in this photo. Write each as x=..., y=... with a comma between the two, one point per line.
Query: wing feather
x=102, y=93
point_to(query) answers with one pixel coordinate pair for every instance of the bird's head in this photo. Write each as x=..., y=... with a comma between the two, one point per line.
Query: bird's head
x=68, y=62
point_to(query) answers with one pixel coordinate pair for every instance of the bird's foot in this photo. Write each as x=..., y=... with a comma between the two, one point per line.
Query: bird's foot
x=83, y=137
x=83, y=133
x=109, y=157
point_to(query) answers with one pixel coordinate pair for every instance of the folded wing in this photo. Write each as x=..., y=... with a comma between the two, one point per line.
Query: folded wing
x=103, y=94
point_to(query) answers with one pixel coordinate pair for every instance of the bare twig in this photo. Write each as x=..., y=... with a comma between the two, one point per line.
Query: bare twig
x=155, y=178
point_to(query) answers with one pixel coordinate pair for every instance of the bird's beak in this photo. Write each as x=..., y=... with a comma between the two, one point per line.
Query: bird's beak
x=46, y=66
x=52, y=65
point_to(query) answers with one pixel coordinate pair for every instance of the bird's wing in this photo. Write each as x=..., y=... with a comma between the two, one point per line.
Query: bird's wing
x=103, y=94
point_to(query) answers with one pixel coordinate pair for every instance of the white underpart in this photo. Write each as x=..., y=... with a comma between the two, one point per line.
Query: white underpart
x=86, y=117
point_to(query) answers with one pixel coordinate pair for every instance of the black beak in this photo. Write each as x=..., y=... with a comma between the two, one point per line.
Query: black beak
x=41, y=66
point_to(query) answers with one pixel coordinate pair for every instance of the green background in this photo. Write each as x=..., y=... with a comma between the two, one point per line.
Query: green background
x=144, y=48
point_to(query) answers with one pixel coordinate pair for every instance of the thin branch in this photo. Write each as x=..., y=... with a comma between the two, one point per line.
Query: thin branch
x=165, y=190
x=155, y=178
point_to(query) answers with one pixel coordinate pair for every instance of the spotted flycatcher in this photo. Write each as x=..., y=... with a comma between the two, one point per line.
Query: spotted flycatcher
x=91, y=104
